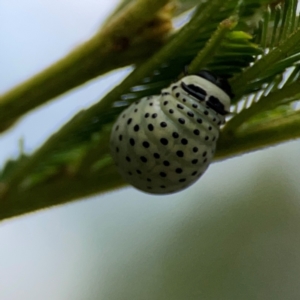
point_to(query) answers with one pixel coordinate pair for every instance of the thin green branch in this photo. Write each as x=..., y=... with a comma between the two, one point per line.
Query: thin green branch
x=277, y=18
x=95, y=153
x=284, y=9
x=268, y=102
x=126, y=39
x=207, y=53
x=70, y=188
x=59, y=191
x=265, y=26
x=271, y=132
x=290, y=9
x=239, y=83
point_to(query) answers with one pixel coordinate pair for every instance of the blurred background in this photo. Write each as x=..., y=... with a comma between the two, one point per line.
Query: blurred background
x=233, y=235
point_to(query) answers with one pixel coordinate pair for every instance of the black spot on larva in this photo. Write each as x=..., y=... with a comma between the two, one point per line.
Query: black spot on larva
x=164, y=141
x=132, y=141
x=177, y=95
x=136, y=128
x=182, y=180
x=180, y=106
x=163, y=186
x=135, y=110
x=209, y=128
x=166, y=102
x=139, y=172
x=178, y=170
x=163, y=174
x=194, y=173
x=195, y=149
x=163, y=124
x=204, y=160
x=148, y=179
x=206, y=112
x=165, y=93
x=149, y=97
x=146, y=144
x=143, y=159
x=129, y=173
x=194, y=161
x=120, y=137
x=174, y=87
x=150, y=127
x=184, y=100
x=219, y=123
x=196, y=132
x=166, y=163
x=171, y=111
x=128, y=159
x=117, y=149
x=204, y=153
x=175, y=135
x=195, y=105
x=147, y=115
x=206, y=138
x=149, y=187
x=124, y=116
x=154, y=116
x=184, y=141
x=214, y=120
x=156, y=155
x=117, y=128
x=214, y=138
x=179, y=153
x=199, y=121
x=190, y=114
x=181, y=120
x=150, y=103
x=136, y=102
x=129, y=121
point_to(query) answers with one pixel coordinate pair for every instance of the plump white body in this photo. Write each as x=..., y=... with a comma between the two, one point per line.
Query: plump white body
x=164, y=143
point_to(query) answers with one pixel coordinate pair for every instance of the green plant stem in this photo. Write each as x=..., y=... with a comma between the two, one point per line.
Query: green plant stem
x=112, y=47
x=207, y=53
x=59, y=191
x=239, y=83
x=272, y=132
x=63, y=190
x=266, y=103
x=186, y=33
x=94, y=154
x=266, y=25
x=290, y=13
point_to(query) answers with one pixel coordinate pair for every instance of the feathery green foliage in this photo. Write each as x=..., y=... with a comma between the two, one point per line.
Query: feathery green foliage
x=254, y=44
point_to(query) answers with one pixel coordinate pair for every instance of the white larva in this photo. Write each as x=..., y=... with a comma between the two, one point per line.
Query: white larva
x=164, y=143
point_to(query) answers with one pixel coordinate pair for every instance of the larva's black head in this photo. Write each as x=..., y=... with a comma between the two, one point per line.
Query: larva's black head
x=222, y=83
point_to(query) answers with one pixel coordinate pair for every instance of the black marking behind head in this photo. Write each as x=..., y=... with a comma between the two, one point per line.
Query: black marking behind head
x=216, y=105
x=194, y=90
x=221, y=82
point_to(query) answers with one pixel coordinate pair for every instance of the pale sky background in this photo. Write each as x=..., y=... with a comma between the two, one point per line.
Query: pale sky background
x=73, y=251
